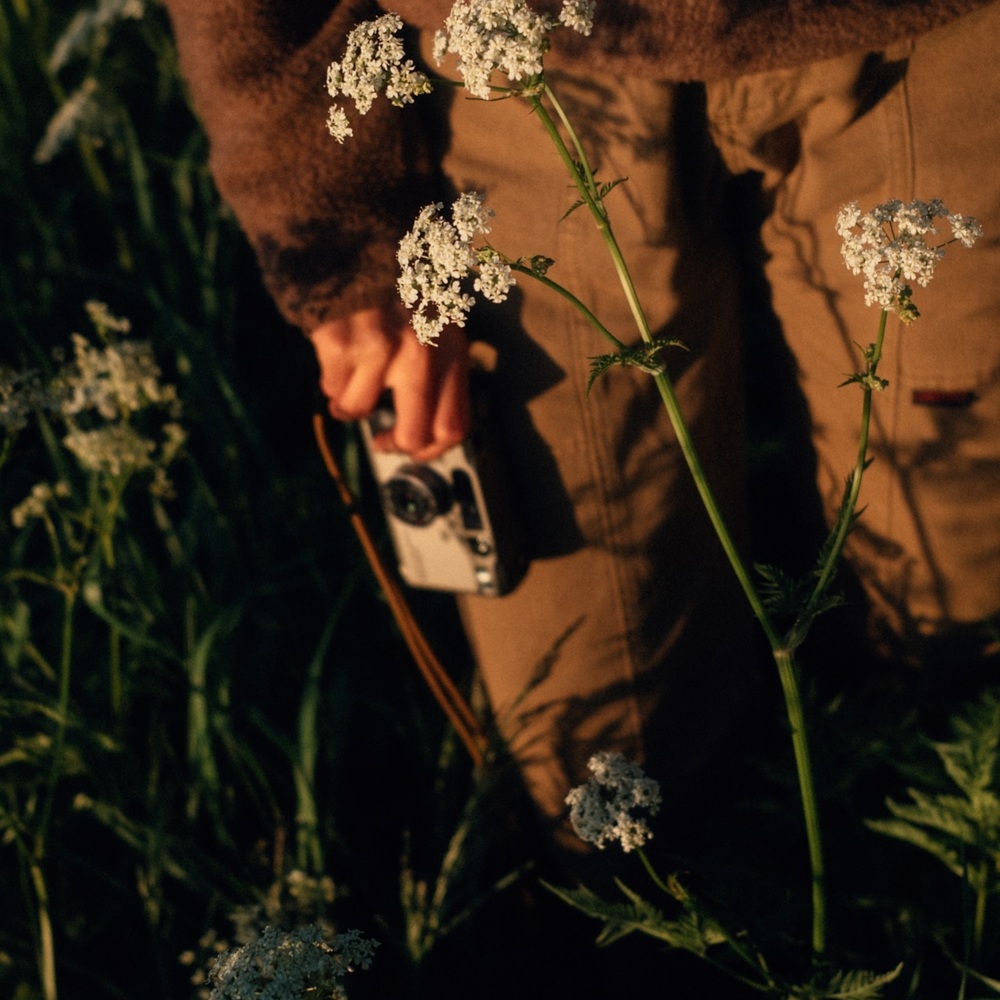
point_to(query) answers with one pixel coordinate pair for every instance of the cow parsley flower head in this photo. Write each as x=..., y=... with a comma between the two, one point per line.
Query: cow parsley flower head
x=119, y=414
x=436, y=258
x=888, y=245
x=279, y=965
x=112, y=449
x=504, y=35
x=21, y=393
x=578, y=15
x=38, y=501
x=495, y=277
x=115, y=380
x=373, y=62
x=601, y=811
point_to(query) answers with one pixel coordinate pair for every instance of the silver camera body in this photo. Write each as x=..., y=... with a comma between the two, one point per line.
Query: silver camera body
x=451, y=519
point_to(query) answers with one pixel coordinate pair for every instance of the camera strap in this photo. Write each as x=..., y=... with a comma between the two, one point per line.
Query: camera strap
x=447, y=695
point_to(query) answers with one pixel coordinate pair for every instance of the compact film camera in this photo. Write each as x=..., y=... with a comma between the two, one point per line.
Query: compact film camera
x=451, y=519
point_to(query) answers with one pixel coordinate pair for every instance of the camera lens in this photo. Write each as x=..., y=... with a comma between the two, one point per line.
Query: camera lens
x=416, y=494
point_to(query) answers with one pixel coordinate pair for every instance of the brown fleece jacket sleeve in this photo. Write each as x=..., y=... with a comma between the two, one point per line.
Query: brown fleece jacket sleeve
x=713, y=39
x=324, y=219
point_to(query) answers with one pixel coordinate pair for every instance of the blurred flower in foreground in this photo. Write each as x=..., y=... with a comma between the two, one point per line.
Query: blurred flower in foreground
x=289, y=965
x=889, y=246
x=601, y=810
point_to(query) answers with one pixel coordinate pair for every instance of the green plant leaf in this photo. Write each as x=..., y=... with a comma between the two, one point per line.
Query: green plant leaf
x=688, y=933
x=857, y=984
x=644, y=357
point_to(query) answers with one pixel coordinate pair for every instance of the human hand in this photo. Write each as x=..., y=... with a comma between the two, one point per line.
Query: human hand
x=371, y=350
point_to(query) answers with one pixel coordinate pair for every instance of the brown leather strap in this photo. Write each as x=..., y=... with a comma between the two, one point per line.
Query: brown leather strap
x=454, y=705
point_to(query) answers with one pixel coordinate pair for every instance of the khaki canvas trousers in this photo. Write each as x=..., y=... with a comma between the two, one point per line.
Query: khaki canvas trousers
x=628, y=632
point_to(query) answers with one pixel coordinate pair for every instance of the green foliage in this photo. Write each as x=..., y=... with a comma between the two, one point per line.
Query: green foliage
x=960, y=830
x=689, y=932
x=695, y=931
x=854, y=985
x=189, y=710
x=603, y=189
x=646, y=358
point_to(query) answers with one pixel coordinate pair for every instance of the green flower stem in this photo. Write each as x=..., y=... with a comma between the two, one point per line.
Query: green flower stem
x=846, y=518
x=577, y=304
x=586, y=186
x=784, y=659
x=28, y=855
x=584, y=160
x=46, y=943
x=678, y=893
x=308, y=843
x=115, y=684
x=788, y=675
x=979, y=916
x=653, y=873
x=62, y=721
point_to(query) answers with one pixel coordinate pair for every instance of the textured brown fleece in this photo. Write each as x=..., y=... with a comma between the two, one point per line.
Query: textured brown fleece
x=324, y=219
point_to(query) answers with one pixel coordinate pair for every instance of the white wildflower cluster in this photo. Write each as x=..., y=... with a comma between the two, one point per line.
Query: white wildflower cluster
x=295, y=900
x=114, y=381
x=601, y=811
x=436, y=258
x=21, y=394
x=281, y=965
x=578, y=15
x=112, y=449
x=105, y=398
x=87, y=111
x=100, y=393
x=504, y=35
x=888, y=245
x=373, y=61
x=37, y=502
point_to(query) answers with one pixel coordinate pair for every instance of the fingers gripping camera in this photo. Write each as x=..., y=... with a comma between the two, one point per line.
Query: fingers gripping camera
x=451, y=519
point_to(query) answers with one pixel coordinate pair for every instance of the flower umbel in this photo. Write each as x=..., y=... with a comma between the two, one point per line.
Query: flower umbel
x=435, y=259
x=111, y=396
x=578, y=15
x=889, y=246
x=373, y=62
x=504, y=35
x=280, y=965
x=21, y=393
x=601, y=810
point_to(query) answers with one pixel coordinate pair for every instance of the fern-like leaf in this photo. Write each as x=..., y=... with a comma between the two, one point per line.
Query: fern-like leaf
x=644, y=357
x=688, y=933
x=961, y=830
x=856, y=984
